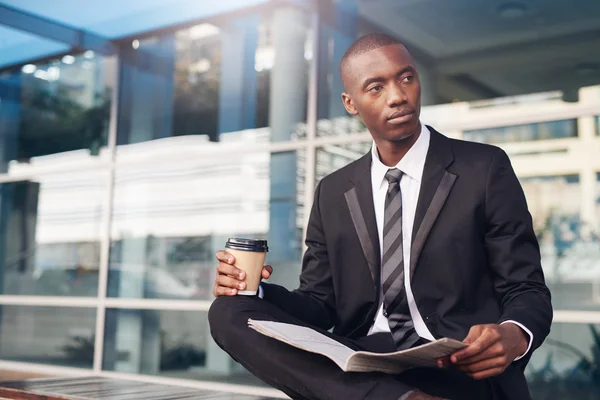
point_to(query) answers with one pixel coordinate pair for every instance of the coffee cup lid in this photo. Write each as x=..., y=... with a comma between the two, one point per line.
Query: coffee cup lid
x=247, y=244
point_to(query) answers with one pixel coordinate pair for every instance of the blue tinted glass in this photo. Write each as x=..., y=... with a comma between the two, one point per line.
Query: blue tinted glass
x=49, y=236
x=568, y=242
x=567, y=365
x=523, y=133
x=171, y=216
x=218, y=79
x=168, y=343
x=48, y=335
x=58, y=106
x=115, y=18
x=19, y=47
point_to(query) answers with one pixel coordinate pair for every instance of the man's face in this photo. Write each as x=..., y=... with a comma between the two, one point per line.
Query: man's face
x=383, y=88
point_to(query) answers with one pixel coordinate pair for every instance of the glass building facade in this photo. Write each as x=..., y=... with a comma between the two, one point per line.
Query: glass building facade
x=131, y=151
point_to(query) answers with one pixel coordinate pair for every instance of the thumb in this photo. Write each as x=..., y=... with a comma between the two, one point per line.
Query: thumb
x=267, y=271
x=474, y=333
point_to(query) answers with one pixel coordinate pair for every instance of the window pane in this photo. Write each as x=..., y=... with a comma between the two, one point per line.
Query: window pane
x=339, y=28
x=567, y=365
x=48, y=335
x=330, y=158
x=58, y=106
x=598, y=200
x=50, y=229
x=251, y=72
x=523, y=133
x=172, y=214
x=570, y=251
x=167, y=343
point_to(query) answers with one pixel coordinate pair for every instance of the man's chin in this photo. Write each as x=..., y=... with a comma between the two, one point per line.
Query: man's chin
x=402, y=135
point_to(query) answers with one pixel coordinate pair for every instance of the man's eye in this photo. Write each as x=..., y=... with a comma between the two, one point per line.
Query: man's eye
x=376, y=88
x=408, y=78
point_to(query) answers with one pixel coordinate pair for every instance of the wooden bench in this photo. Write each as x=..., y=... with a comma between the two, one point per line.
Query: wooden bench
x=105, y=388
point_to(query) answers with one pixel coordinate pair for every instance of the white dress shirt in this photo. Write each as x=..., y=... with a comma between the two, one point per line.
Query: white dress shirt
x=412, y=165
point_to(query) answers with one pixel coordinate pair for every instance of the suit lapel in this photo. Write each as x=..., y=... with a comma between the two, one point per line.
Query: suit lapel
x=435, y=187
x=362, y=212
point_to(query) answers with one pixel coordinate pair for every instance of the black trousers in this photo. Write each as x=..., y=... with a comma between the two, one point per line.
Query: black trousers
x=304, y=375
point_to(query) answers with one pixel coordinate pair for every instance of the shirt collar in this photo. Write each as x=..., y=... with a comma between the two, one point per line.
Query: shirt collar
x=412, y=164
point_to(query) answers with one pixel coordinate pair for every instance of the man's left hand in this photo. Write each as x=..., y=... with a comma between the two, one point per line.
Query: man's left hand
x=491, y=348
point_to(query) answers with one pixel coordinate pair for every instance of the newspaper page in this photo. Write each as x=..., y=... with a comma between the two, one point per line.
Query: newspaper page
x=356, y=361
x=425, y=355
x=304, y=338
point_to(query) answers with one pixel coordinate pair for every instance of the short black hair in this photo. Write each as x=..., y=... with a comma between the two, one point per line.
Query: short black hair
x=365, y=44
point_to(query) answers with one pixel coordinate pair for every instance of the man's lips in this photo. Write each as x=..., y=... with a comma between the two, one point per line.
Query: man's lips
x=400, y=117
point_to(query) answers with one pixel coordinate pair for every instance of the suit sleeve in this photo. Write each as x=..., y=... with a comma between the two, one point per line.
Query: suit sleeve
x=313, y=302
x=514, y=253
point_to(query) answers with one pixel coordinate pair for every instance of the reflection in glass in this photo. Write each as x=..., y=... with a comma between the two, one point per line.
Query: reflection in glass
x=167, y=343
x=197, y=80
x=330, y=158
x=171, y=215
x=151, y=342
x=598, y=201
x=523, y=133
x=48, y=335
x=55, y=107
x=569, y=246
x=567, y=364
x=339, y=27
x=218, y=79
x=50, y=232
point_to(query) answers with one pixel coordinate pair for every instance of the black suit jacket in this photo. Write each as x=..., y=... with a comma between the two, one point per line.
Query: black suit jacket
x=474, y=258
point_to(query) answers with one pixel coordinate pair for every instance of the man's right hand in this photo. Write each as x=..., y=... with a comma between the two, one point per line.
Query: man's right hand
x=230, y=279
x=418, y=395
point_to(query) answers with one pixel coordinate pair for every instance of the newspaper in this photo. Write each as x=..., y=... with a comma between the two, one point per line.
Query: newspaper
x=350, y=360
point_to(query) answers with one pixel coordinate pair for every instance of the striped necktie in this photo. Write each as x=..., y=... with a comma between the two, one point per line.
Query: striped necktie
x=394, y=297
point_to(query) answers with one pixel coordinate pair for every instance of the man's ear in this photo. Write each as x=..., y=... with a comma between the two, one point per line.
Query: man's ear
x=348, y=105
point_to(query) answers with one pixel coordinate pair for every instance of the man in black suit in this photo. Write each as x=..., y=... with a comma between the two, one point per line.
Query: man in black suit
x=423, y=237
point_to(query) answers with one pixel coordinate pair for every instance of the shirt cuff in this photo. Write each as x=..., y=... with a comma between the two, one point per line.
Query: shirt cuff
x=261, y=294
x=526, y=331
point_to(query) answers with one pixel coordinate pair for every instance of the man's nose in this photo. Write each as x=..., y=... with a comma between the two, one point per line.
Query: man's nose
x=396, y=96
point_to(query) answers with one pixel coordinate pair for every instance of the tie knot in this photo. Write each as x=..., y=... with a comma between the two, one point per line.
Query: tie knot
x=393, y=175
